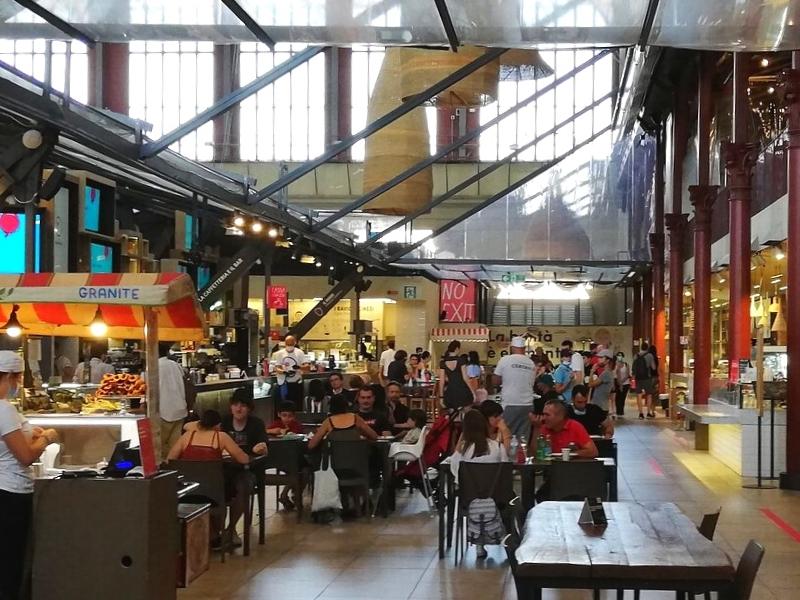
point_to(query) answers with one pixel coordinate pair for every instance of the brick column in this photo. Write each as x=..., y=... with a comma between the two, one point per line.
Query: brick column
x=659, y=322
x=676, y=226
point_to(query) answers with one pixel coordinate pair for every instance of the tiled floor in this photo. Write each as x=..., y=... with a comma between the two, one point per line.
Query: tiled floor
x=395, y=558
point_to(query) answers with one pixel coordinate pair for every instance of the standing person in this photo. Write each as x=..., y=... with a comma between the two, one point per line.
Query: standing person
x=171, y=398
x=387, y=356
x=656, y=386
x=397, y=370
x=516, y=373
x=602, y=384
x=622, y=384
x=474, y=369
x=20, y=446
x=453, y=387
x=289, y=362
x=576, y=361
x=643, y=368
x=97, y=367
x=564, y=376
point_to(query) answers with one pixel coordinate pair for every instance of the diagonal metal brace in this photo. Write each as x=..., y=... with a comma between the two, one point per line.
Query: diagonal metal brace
x=378, y=124
x=471, y=135
x=56, y=22
x=229, y=101
x=249, y=22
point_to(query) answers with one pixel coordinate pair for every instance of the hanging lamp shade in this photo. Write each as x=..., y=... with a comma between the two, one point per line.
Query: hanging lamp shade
x=523, y=65
x=755, y=309
x=422, y=68
x=396, y=147
x=764, y=321
x=779, y=326
x=774, y=306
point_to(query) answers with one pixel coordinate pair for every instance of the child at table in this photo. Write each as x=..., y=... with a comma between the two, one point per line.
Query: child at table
x=286, y=422
x=420, y=419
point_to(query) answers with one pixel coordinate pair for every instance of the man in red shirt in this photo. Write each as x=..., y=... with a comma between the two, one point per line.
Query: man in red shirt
x=564, y=431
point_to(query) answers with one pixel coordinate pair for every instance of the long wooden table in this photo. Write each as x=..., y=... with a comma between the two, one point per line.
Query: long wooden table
x=645, y=546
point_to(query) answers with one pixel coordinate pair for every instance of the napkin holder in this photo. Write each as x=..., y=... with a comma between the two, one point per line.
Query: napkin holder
x=593, y=513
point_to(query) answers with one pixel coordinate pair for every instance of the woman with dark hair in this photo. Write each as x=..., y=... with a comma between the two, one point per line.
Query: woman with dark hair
x=398, y=371
x=474, y=369
x=315, y=399
x=475, y=445
x=207, y=442
x=453, y=387
x=341, y=425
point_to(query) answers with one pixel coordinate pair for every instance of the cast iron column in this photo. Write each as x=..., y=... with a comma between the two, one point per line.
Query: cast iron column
x=637, y=313
x=659, y=322
x=647, y=306
x=702, y=198
x=790, y=92
x=108, y=76
x=676, y=226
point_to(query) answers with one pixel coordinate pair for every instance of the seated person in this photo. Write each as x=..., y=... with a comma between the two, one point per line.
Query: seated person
x=498, y=430
x=248, y=432
x=286, y=422
x=335, y=388
x=341, y=425
x=475, y=445
x=354, y=384
x=543, y=384
x=564, y=431
x=372, y=417
x=593, y=418
x=315, y=401
x=206, y=442
x=397, y=411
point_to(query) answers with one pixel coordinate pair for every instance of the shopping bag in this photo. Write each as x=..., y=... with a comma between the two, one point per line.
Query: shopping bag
x=326, y=487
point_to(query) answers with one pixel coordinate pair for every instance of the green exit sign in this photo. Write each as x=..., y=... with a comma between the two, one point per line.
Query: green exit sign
x=513, y=278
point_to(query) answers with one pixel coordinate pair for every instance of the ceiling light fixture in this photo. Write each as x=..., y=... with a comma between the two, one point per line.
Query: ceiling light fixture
x=98, y=327
x=238, y=221
x=256, y=227
x=13, y=327
x=764, y=62
x=273, y=232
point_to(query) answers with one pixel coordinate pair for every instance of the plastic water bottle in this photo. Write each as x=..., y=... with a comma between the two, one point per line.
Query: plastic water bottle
x=521, y=456
x=548, y=447
x=512, y=451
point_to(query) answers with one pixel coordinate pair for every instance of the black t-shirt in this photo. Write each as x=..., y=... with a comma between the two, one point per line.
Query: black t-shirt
x=376, y=420
x=592, y=420
x=400, y=413
x=254, y=432
x=397, y=371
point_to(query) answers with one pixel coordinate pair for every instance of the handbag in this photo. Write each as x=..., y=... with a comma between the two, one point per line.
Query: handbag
x=326, y=487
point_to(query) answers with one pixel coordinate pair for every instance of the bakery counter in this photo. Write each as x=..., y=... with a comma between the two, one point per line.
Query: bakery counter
x=88, y=439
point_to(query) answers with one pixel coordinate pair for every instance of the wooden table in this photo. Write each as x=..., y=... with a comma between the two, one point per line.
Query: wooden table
x=446, y=497
x=645, y=546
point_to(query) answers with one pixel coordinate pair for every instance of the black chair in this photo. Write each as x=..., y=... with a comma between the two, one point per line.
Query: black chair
x=350, y=460
x=211, y=478
x=286, y=458
x=577, y=480
x=747, y=569
x=475, y=480
x=606, y=448
x=708, y=525
x=310, y=420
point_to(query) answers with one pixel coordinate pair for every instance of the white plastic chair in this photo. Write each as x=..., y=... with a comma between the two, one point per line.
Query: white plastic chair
x=408, y=453
x=50, y=455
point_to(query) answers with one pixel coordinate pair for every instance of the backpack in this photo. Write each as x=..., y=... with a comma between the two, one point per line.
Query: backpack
x=484, y=523
x=640, y=369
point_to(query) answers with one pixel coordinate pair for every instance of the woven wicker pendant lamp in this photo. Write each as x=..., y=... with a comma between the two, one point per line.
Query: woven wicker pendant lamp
x=523, y=65
x=396, y=147
x=422, y=68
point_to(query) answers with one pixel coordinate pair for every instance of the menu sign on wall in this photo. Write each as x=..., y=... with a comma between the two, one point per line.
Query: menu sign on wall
x=277, y=297
x=457, y=301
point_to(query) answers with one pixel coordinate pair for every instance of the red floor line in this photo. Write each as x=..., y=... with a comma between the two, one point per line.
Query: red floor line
x=783, y=525
x=655, y=467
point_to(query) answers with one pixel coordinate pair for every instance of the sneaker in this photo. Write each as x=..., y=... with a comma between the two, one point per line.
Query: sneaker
x=480, y=551
x=651, y=415
x=235, y=540
x=641, y=416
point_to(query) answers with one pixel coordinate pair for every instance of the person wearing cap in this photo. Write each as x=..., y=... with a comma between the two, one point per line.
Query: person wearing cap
x=602, y=384
x=516, y=373
x=20, y=446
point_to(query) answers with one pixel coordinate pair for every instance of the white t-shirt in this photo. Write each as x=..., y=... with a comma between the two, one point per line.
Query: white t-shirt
x=291, y=362
x=576, y=363
x=496, y=454
x=387, y=356
x=97, y=368
x=171, y=390
x=518, y=373
x=13, y=476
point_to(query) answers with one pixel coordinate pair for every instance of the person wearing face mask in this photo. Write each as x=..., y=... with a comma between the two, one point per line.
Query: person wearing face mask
x=593, y=418
x=601, y=383
x=563, y=376
x=289, y=362
x=622, y=384
x=20, y=446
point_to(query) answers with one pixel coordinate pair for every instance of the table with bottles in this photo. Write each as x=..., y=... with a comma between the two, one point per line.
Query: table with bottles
x=529, y=468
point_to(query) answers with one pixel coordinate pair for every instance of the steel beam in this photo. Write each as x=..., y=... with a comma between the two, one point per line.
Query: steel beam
x=447, y=23
x=474, y=178
x=378, y=124
x=492, y=199
x=649, y=19
x=248, y=21
x=229, y=101
x=470, y=135
x=57, y=22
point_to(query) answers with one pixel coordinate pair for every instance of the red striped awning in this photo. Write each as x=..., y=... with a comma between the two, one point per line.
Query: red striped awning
x=64, y=304
x=462, y=332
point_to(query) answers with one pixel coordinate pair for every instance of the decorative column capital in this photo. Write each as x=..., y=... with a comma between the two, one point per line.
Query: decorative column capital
x=788, y=91
x=702, y=198
x=740, y=158
x=676, y=222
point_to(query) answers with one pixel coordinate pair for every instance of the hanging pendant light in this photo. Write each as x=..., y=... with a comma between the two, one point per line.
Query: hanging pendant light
x=773, y=305
x=98, y=327
x=755, y=309
x=13, y=328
